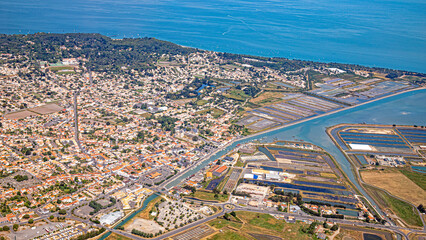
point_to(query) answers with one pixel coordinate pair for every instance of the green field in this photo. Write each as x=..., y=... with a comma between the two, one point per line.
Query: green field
x=239, y=164
x=201, y=102
x=216, y=113
x=209, y=196
x=237, y=95
x=228, y=235
x=257, y=223
x=417, y=178
x=404, y=210
x=263, y=221
x=220, y=223
x=54, y=69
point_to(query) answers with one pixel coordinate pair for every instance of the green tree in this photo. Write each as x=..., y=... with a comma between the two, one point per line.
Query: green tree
x=334, y=227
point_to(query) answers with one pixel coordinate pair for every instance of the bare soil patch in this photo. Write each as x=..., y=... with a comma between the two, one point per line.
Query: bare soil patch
x=144, y=225
x=19, y=115
x=47, y=109
x=395, y=183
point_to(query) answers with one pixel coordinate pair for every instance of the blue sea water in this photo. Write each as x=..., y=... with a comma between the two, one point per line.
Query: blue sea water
x=384, y=33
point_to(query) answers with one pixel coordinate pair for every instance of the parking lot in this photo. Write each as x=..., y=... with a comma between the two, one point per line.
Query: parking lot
x=195, y=233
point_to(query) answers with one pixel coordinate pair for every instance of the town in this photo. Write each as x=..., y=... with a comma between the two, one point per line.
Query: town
x=91, y=146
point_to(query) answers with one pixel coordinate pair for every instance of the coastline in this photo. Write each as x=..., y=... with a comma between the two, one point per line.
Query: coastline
x=206, y=158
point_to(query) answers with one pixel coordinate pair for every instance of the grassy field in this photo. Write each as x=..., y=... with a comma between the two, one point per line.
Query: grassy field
x=209, y=196
x=405, y=211
x=237, y=95
x=258, y=223
x=239, y=164
x=115, y=236
x=201, y=102
x=228, y=235
x=220, y=223
x=267, y=97
x=395, y=183
x=262, y=220
x=417, y=178
x=216, y=113
x=54, y=69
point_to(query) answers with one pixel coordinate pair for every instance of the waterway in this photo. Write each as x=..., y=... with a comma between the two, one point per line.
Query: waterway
x=403, y=109
x=128, y=218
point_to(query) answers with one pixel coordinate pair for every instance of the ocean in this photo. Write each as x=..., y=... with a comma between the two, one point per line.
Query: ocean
x=381, y=33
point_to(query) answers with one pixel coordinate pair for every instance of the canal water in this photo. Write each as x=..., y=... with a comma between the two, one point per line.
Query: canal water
x=403, y=109
x=128, y=218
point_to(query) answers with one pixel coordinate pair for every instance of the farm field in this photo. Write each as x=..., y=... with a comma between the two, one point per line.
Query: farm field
x=417, y=178
x=395, y=183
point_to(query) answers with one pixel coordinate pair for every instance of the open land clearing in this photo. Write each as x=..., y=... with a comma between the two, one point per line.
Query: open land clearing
x=417, y=178
x=251, y=225
x=395, y=183
x=47, y=109
x=402, y=212
x=144, y=225
x=115, y=236
x=267, y=97
x=19, y=115
x=348, y=232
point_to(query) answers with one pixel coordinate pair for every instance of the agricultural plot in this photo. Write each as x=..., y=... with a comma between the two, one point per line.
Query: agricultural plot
x=395, y=183
x=292, y=107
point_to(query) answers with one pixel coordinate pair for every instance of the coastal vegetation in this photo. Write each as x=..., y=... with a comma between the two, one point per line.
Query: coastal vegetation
x=143, y=54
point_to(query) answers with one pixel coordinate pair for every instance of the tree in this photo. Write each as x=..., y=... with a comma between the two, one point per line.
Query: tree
x=421, y=208
x=334, y=227
x=234, y=214
x=15, y=227
x=6, y=228
x=26, y=216
x=227, y=217
x=141, y=136
x=31, y=221
x=62, y=212
x=51, y=217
